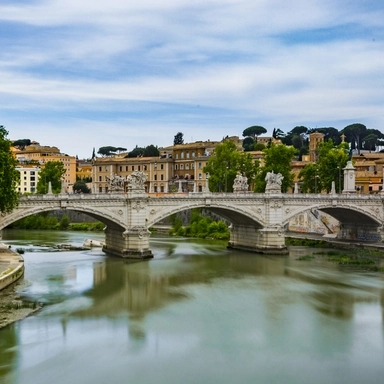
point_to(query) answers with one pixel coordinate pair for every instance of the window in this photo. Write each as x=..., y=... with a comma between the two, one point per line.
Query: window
x=161, y=166
x=100, y=189
x=181, y=166
x=155, y=188
x=155, y=177
x=106, y=168
x=133, y=168
x=182, y=155
x=138, y=168
x=175, y=167
x=186, y=166
x=126, y=168
x=199, y=165
x=177, y=155
x=200, y=176
x=100, y=178
x=187, y=155
x=161, y=177
x=121, y=168
x=193, y=154
x=192, y=166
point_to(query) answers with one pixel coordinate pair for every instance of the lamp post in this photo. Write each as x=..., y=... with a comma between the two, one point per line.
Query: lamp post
x=226, y=177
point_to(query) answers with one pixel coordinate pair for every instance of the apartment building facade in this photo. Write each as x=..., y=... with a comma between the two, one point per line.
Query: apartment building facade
x=38, y=155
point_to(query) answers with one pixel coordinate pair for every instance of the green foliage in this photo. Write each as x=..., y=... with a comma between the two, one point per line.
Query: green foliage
x=225, y=163
x=64, y=222
x=354, y=134
x=21, y=143
x=39, y=221
x=178, y=139
x=94, y=226
x=254, y=131
x=53, y=172
x=110, y=151
x=248, y=144
x=81, y=186
x=9, y=176
x=258, y=146
x=332, y=159
x=151, y=151
x=278, y=159
x=200, y=226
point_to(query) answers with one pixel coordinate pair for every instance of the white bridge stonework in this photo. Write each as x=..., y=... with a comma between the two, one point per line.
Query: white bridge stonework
x=258, y=221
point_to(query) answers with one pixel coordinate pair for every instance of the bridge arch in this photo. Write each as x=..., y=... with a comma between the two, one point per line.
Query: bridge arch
x=103, y=216
x=236, y=216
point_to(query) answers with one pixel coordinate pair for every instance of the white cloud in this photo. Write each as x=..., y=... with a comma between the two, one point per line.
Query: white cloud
x=202, y=66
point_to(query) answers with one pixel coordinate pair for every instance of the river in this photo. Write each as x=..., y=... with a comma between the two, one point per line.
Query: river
x=196, y=313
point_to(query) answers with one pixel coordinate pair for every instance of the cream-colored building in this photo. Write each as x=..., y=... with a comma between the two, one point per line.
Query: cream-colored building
x=29, y=176
x=38, y=155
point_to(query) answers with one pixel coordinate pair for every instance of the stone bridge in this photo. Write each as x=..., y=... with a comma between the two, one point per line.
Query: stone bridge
x=258, y=221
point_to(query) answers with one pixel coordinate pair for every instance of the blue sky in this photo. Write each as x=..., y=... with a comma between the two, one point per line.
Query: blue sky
x=83, y=74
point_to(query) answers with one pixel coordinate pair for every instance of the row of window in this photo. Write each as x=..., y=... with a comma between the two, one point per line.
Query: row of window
x=144, y=167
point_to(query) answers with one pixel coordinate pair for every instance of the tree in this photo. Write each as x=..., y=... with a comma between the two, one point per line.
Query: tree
x=277, y=158
x=110, y=151
x=178, y=138
x=151, y=151
x=277, y=133
x=254, y=131
x=9, y=176
x=309, y=178
x=299, y=131
x=354, y=133
x=136, y=152
x=53, y=172
x=93, y=153
x=370, y=141
x=329, y=167
x=80, y=186
x=248, y=143
x=225, y=163
x=21, y=143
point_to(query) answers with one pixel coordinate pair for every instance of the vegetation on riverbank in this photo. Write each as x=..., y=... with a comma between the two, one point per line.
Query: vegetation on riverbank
x=46, y=221
x=366, y=258
x=199, y=226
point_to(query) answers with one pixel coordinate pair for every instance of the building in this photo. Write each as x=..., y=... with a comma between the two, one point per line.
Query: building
x=38, y=155
x=29, y=176
x=369, y=172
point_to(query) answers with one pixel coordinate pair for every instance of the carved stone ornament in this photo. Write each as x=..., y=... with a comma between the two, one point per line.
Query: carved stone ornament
x=274, y=181
x=136, y=180
x=240, y=183
x=116, y=183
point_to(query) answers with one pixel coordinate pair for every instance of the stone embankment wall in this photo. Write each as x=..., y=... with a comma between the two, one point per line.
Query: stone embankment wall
x=11, y=266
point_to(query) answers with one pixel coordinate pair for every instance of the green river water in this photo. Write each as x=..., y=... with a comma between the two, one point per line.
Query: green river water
x=196, y=313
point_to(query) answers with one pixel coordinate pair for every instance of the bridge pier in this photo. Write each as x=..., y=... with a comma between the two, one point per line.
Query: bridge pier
x=268, y=240
x=132, y=243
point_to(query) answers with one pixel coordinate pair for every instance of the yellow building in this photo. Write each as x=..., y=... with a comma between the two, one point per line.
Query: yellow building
x=369, y=172
x=39, y=155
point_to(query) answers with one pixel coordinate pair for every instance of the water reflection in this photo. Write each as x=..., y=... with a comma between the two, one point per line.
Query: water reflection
x=226, y=316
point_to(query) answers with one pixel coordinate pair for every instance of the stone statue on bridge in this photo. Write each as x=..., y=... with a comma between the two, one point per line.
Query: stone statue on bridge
x=274, y=181
x=240, y=183
x=136, y=180
x=116, y=183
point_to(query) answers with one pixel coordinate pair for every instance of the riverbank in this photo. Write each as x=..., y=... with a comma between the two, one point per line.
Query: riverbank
x=12, y=307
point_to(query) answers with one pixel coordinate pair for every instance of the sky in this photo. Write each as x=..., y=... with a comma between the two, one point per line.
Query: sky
x=85, y=74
